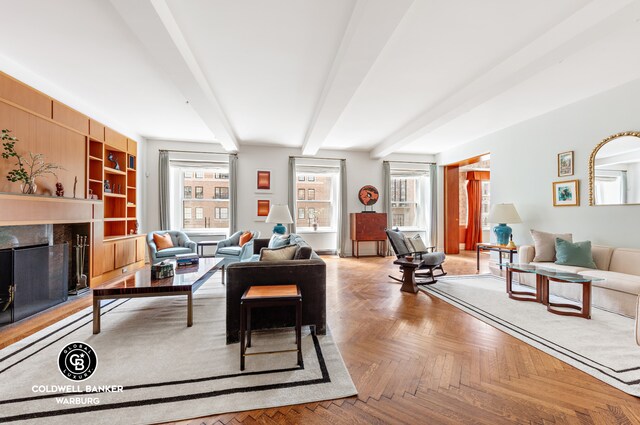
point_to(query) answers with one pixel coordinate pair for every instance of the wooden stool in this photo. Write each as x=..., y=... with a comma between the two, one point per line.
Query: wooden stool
x=269, y=296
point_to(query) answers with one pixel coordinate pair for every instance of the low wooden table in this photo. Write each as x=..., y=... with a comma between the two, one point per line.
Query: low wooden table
x=408, y=274
x=496, y=248
x=269, y=296
x=186, y=281
x=202, y=244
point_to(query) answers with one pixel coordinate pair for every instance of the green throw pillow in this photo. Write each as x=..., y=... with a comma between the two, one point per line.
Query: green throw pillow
x=574, y=254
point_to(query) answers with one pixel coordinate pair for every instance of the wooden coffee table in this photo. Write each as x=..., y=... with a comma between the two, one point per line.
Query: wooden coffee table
x=186, y=281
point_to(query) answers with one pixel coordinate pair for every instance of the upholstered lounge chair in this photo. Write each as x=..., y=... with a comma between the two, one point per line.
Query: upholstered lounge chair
x=230, y=248
x=181, y=245
x=430, y=260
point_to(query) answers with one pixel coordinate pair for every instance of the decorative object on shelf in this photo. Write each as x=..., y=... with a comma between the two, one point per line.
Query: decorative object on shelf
x=80, y=250
x=566, y=193
x=565, y=164
x=119, y=189
x=263, y=181
x=511, y=244
x=59, y=189
x=107, y=186
x=262, y=208
x=280, y=215
x=75, y=186
x=111, y=157
x=503, y=214
x=368, y=196
x=132, y=161
x=29, y=168
x=92, y=195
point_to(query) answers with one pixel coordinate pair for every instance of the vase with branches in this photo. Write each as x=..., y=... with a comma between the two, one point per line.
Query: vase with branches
x=28, y=167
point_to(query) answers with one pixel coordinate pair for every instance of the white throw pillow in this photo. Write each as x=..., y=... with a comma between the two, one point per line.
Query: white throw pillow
x=545, y=245
x=278, y=254
x=418, y=244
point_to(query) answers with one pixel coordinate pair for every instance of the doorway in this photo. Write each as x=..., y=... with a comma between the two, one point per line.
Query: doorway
x=467, y=198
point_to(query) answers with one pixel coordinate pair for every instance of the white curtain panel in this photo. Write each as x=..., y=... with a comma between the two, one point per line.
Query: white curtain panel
x=163, y=179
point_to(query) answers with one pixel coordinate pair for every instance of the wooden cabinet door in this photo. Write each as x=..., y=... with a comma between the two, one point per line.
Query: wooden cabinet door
x=97, y=259
x=141, y=248
x=108, y=262
x=370, y=226
x=125, y=253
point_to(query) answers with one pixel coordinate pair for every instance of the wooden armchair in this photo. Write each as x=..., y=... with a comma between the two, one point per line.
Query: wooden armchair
x=429, y=259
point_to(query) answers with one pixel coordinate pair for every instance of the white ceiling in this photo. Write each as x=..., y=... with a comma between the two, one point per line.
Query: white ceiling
x=385, y=76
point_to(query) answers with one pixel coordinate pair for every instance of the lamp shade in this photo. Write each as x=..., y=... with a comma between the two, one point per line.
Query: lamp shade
x=504, y=213
x=279, y=214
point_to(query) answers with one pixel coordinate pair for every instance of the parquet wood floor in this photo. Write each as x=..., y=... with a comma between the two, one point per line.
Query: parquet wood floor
x=417, y=360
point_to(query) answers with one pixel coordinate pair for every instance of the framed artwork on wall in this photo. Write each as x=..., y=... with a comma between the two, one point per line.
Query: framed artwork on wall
x=263, y=181
x=565, y=164
x=566, y=193
x=262, y=209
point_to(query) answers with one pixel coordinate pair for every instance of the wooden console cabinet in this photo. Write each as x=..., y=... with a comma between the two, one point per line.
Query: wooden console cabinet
x=368, y=227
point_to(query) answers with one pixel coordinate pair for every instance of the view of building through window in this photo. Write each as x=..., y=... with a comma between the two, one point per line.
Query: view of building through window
x=205, y=202
x=316, y=203
x=405, y=192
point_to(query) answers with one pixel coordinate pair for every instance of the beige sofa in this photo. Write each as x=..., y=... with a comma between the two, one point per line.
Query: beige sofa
x=620, y=267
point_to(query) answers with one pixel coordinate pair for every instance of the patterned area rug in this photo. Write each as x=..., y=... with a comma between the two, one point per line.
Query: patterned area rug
x=153, y=368
x=603, y=347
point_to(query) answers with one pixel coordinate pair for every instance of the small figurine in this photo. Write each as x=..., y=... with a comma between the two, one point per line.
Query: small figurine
x=59, y=189
x=75, y=186
x=113, y=159
x=107, y=186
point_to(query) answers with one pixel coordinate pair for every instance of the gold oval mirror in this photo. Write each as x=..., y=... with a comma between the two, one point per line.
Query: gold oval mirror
x=614, y=170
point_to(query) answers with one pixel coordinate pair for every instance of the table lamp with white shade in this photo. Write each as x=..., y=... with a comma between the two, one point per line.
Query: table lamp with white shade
x=503, y=214
x=280, y=215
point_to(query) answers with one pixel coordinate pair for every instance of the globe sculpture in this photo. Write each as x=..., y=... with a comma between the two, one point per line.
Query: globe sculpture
x=368, y=195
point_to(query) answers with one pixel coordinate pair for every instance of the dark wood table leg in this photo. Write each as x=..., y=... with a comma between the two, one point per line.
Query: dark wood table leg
x=96, y=315
x=509, y=279
x=248, y=326
x=299, y=330
x=242, y=332
x=409, y=280
x=586, y=300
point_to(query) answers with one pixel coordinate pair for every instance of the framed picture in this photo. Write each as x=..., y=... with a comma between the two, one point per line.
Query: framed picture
x=566, y=194
x=263, y=181
x=565, y=164
x=262, y=209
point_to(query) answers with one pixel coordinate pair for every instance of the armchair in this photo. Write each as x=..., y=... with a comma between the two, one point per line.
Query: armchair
x=181, y=245
x=429, y=260
x=230, y=248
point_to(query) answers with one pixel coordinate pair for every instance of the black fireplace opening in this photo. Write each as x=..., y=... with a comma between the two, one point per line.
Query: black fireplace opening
x=33, y=278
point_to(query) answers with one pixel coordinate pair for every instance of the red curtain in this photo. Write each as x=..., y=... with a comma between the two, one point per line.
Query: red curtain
x=474, y=203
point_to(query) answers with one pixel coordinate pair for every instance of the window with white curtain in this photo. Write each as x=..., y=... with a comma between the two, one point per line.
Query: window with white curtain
x=410, y=199
x=199, y=196
x=318, y=210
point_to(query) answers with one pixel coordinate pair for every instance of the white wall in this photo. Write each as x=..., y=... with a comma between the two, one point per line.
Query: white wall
x=361, y=170
x=524, y=164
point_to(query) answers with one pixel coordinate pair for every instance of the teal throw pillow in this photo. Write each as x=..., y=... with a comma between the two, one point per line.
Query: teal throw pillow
x=574, y=254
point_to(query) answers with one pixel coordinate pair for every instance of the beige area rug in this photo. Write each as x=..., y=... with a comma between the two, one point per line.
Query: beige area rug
x=168, y=371
x=603, y=347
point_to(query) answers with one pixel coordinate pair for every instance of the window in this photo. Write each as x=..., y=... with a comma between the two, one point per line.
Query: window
x=221, y=192
x=221, y=213
x=410, y=203
x=318, y=203
x=191, y=209
x=301, y=178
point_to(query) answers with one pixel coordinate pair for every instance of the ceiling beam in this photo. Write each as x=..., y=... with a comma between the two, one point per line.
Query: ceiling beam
x=370, y=27
x=578, y=31
x=155, y=26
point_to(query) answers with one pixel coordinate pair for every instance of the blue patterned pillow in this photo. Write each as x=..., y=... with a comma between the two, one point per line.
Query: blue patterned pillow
x=278, y=241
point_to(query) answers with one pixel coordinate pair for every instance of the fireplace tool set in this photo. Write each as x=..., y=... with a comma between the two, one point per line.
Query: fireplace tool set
x=80, y=255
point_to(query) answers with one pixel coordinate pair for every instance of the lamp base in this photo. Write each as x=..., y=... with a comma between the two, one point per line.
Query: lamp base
x=279, y=229
x=502, y=232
